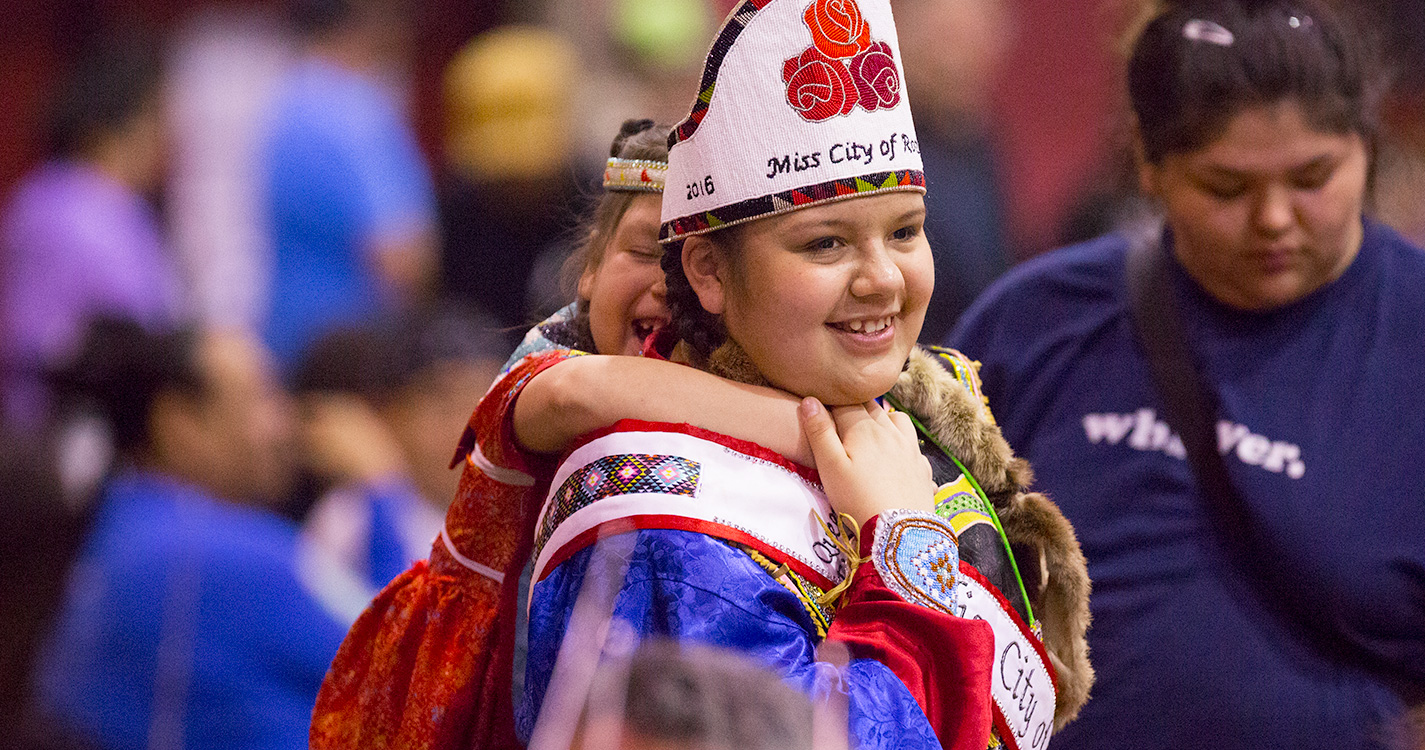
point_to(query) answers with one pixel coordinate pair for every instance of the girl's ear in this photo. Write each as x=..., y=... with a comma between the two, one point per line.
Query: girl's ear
x=586, y=282
x=705, y=265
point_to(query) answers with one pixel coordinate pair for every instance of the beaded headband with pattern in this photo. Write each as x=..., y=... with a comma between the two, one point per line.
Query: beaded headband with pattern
x=635, y=175
x=800, y=104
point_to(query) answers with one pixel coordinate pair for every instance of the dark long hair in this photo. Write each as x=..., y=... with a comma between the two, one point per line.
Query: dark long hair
x=702, y=330
x=1187, y=80
x=120, y=371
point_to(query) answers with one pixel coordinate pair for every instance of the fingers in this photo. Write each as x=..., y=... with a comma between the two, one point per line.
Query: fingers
x=820, y=431
x=848, y=421
x=878, y=413
x=893, y=418
x=849, y=417
x=905, y=426
x=871, y=413
x=902, y=422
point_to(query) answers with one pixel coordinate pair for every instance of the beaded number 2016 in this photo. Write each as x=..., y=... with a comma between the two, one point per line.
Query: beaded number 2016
x=697, y=189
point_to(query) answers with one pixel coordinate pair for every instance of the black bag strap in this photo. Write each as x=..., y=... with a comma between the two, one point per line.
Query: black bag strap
x=1189, y=406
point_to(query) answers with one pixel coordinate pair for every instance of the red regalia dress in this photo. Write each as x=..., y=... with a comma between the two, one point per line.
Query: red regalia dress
x=428, y=664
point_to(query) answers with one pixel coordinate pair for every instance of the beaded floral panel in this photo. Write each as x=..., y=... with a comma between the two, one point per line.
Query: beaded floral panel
x=918, y=558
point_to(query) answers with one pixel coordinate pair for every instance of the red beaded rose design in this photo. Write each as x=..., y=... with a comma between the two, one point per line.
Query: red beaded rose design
x=843, y=67
x=837, y=28
x=818, y=86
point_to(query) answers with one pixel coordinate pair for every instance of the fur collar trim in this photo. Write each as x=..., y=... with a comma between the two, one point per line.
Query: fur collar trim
x=1053, y=567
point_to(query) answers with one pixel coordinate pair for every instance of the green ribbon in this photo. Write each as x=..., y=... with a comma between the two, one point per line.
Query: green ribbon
x=979, y=492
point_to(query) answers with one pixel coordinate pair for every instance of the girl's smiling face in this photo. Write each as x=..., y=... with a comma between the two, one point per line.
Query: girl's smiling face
x=625, y=290
x=827, y=300
x=1267, y=213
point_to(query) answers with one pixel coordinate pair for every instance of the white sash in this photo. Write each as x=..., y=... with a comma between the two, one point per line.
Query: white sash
x=740, y=493
x=1021, y=682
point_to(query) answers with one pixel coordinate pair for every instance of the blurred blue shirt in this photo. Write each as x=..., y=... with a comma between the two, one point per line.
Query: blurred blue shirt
x=185, y=626
x=342, y=170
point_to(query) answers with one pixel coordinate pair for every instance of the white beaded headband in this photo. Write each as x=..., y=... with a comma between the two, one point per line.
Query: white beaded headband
x=635, y=175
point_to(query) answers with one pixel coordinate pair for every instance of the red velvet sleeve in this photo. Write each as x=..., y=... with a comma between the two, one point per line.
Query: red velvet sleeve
x=944, y=661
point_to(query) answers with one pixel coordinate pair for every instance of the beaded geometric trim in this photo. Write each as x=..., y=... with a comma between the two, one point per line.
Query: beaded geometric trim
x=963, y=368
x=788, y=200
x=635, y=175
x=740, y=18
x=918, y=558
x=621, y=474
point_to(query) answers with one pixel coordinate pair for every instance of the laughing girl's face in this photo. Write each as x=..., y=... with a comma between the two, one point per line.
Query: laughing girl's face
x=625, y=291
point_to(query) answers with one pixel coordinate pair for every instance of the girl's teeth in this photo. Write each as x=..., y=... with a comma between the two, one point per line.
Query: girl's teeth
x=867, y=326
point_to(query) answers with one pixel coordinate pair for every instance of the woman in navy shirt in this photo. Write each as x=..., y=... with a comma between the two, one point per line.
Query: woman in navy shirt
x=1256, y=126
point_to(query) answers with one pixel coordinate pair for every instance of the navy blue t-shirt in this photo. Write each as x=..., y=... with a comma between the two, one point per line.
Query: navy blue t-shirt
x=1323, y=431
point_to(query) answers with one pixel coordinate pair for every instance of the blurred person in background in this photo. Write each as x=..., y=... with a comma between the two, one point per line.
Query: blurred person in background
x=39, y=536
x=375, y=405
x=225, y=62
x=79, y=236
x=510, y=185
x=640, y=56
x=184, y=624
x=1259, y=574
x=953, y=51
x=349, y=200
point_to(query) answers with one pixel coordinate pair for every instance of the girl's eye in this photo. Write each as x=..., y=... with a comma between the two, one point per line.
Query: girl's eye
x=908, y=232
x=1312, y=180
x=824, y=244
x=1225, y=191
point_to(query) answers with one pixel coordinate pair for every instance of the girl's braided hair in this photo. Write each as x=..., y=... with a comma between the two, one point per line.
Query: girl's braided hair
x=702, y=330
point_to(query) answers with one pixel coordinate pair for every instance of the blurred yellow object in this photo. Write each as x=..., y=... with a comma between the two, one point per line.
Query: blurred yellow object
x=507, y=104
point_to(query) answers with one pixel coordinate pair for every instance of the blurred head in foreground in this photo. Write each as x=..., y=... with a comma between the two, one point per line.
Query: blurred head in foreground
x=693, y=696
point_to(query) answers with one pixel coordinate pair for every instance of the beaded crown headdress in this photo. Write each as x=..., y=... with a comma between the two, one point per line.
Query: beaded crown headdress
x=635, y=175
x=801, y=103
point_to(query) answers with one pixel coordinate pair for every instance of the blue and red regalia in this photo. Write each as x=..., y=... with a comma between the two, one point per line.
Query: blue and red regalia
x=720, y=541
